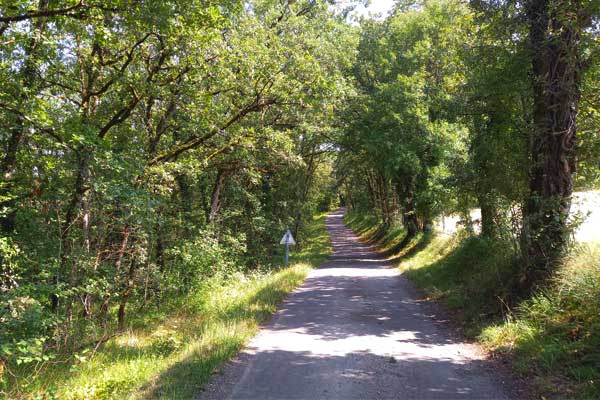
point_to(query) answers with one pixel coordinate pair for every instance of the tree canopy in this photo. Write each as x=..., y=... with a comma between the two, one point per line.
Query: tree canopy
x=148, y=145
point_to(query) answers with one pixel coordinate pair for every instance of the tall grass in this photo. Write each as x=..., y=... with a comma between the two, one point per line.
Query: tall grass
x=552, y=338
x=171, y=356
x=557, y=331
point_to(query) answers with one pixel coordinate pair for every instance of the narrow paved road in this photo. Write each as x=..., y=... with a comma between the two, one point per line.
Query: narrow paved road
x=355, y=329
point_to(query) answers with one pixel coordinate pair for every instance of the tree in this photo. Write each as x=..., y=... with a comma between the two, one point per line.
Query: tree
x=398, y=128
x=147, y=146
x=556, y=29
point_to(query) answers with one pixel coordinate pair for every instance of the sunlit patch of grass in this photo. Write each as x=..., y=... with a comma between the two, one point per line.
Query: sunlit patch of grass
x=473, y=276
x=368, y=228
x=364, y=225
x=174, y=356
x=434, y=248
x=316, y=246
x=179, y=355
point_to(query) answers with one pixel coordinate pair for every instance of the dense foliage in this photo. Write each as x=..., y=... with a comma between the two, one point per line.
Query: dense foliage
x=463, y=106
x=489, y=105
x=147, y=146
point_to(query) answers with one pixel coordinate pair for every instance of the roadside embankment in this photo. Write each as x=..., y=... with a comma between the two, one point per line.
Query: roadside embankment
x=551, y=338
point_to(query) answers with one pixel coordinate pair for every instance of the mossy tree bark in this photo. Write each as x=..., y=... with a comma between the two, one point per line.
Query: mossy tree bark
x=555, y=29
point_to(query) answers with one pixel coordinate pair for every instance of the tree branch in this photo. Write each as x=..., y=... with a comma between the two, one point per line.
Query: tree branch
x=76, y=11
x=196, y=141
x=120, y=115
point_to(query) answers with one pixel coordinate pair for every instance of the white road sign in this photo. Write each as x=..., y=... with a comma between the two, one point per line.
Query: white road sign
x=287, y=238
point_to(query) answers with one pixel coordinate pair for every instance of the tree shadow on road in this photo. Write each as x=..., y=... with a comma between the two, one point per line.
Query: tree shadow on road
x=360, y=374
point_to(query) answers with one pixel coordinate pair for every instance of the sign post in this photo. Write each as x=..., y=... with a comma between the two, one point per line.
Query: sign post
x=287, y=240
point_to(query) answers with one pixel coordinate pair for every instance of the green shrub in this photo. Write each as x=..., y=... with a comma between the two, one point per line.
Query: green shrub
x=205, y=256
x=24, y=329
x=25, y=325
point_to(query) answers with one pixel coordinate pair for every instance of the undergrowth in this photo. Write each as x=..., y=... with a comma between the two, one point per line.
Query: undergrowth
x=552, y=338
x=172, y=355
x=557, y=331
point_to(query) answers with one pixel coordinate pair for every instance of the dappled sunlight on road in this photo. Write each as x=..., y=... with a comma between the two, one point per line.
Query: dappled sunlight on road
x=402, y=345
x=355, y=272
x=355, y=329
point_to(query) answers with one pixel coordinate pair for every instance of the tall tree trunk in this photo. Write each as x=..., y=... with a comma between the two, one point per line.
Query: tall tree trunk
x=480, y=148
x=349, y=199
x=489, y=216
x=372, y=190
x=7, y=169
x=555, y=30
x=126, y=294
x=215, y=198
x=382, y=190
x=78, y=198
x=118, y=263
x=406, y=192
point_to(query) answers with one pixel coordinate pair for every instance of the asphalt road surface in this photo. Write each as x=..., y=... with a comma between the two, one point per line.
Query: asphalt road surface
x=356, y=330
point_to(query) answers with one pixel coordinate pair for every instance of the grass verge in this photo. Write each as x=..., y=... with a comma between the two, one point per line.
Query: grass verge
x=173, y=357
x=551, y=338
